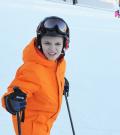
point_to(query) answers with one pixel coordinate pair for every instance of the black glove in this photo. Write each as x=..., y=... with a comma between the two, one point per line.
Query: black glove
x=16, y=101
x=66, y=87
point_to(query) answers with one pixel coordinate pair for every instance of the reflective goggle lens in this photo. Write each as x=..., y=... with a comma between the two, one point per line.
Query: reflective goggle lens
x=56, y=24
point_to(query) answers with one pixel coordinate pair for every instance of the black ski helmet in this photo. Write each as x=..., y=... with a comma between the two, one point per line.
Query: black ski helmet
x=53, y=26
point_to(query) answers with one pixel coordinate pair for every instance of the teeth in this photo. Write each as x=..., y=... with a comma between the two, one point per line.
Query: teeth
x=52, y=53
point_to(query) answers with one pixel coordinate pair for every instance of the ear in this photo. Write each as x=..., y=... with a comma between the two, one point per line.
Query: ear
x=38, y=42
x=38, y=46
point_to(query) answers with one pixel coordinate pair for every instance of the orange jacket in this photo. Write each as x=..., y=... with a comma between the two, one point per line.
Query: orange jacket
x=43, y=82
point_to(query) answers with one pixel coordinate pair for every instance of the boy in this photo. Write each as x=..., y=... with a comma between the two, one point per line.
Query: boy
x=37, y=90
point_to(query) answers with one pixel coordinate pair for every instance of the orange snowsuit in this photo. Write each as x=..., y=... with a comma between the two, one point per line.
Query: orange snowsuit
x=43, y=82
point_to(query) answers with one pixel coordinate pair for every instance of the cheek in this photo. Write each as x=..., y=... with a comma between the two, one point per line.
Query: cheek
x=44, y=48
x=60, y=48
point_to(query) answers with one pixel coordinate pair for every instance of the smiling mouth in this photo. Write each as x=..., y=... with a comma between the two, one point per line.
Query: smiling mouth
x=52, y=53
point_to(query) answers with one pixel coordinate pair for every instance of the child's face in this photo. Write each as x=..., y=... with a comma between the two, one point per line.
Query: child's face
x=52, y=46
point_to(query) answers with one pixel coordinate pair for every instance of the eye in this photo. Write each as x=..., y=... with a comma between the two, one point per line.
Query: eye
x=58, y=44
x=47, y=43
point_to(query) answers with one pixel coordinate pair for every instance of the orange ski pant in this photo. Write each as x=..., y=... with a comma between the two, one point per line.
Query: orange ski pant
x=29, y=127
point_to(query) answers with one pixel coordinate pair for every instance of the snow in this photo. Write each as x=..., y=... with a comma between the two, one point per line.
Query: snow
x=93, y=63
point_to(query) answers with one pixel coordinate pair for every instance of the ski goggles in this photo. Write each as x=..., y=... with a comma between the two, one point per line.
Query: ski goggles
x=56, y=24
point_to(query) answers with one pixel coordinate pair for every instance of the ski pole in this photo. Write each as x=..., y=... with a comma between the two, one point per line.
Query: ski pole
x=19, y=104
x=19, y=126
x=68, y=108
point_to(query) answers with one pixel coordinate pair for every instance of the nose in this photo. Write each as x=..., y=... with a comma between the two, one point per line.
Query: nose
x=52, y=47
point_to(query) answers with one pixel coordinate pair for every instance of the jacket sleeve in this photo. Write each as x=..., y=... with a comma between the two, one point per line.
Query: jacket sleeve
x=26, y=80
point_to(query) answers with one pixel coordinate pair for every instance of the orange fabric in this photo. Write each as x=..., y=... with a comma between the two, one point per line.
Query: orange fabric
x=43, y=82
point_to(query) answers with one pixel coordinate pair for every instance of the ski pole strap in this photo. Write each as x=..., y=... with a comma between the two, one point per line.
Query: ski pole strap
x=19, y=125
x=22, y=115
x=20, y=118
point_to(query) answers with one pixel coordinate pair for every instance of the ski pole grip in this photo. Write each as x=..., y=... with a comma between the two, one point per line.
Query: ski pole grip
x=66, y=87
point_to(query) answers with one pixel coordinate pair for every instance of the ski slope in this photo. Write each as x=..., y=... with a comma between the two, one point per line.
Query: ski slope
x=93, y=63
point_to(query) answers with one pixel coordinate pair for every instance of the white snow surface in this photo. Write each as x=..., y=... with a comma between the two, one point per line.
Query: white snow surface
x=93, y=63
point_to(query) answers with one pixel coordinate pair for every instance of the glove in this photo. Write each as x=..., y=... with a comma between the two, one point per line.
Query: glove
x=15, y=101
x=66, y=87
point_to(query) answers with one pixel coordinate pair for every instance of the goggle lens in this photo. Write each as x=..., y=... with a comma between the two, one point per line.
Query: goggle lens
x=54, y=24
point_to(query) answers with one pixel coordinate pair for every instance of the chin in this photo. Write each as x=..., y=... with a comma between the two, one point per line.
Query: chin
x=52, y=59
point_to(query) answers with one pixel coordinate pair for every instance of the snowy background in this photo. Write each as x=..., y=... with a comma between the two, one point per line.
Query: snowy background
x=93, y=63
